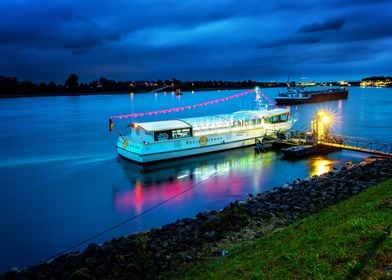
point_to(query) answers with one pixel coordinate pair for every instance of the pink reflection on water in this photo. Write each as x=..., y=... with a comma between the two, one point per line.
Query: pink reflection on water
x=218, y=180
x=228, y=185
x=141, y=197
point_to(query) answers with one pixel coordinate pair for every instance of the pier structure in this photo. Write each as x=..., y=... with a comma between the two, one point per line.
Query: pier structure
x=322, y=136
x=320, y=140
x=357, y=144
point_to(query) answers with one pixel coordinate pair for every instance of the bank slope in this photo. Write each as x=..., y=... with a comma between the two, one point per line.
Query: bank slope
x=349, y=240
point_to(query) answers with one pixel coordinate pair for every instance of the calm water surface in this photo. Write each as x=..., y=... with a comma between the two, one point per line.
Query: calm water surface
x=62, y=182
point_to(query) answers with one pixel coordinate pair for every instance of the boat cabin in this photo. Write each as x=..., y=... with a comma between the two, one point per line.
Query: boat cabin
x=148, y=132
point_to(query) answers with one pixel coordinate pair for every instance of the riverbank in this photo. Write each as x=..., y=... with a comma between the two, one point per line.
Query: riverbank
x=348, y=240
x=149, y=254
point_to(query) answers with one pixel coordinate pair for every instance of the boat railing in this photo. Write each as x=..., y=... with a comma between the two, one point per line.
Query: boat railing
x=208, y=130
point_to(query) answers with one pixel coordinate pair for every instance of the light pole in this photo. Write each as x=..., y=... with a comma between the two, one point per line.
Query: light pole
x=320, y=126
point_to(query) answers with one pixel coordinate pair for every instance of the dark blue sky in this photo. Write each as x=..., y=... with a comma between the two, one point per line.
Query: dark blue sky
x=44, y=40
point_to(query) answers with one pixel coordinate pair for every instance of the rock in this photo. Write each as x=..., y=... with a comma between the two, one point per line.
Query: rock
x=10, y=275
x=91, y=262
x=210, y=234
x=164, y=243
x=100, y=269
x=285, y=207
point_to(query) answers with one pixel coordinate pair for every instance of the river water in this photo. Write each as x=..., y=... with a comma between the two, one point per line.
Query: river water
x=61, y=181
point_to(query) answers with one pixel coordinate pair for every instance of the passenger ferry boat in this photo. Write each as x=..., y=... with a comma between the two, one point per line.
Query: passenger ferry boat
x=169, y=139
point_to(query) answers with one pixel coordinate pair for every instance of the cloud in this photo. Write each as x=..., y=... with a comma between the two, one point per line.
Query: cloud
x=330, y=24
x=129, y=39
x=287, y=42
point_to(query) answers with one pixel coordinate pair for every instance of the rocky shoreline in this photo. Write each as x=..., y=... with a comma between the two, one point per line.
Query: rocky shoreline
x=147, y=255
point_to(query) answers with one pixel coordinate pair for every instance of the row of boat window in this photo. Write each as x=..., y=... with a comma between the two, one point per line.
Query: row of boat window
x=172, y=134
x=276, y=119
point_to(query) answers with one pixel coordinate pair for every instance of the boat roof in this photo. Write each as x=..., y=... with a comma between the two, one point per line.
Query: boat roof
x=223, y=118
x=162, y=125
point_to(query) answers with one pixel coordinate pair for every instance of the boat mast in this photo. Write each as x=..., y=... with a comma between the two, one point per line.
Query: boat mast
x=288, y=84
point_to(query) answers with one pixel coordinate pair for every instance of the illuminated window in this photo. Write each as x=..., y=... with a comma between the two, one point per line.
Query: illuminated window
x=180, y=133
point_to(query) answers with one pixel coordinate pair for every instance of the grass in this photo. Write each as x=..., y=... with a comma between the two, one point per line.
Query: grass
x=349, y=240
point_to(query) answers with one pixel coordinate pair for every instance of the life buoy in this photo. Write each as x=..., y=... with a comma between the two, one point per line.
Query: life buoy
x=125, y=144
x=203, y=141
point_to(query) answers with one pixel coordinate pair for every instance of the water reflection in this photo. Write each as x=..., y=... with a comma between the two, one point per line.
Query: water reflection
x=320, y=165
x=217, y=175
x=207, y=179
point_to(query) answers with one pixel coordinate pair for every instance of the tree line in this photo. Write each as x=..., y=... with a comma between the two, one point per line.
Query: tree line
x=10, y=86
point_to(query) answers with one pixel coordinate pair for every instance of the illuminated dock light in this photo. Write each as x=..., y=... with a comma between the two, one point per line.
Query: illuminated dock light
x=321, y=124
x=326, y=119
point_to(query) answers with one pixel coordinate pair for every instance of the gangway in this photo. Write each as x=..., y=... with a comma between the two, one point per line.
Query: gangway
x=356, y=144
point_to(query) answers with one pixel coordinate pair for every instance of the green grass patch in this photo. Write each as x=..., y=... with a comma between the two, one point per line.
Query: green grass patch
x=348, y=240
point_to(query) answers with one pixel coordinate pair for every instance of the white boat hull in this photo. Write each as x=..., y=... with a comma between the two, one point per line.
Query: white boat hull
x=144, y=158
x=187, y=147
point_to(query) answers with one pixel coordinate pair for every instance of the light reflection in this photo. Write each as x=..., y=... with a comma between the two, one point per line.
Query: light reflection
x=320, y=166
x=340, y=104
x=223, y=176
x=140, y=197
x=215, y=175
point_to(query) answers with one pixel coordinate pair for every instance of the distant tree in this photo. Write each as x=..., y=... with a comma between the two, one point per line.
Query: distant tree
x=72, y=83
x=83, y=87
x=122, y=86
x=93, y=85
x=27, y=87
x=52, y=87
x=107, y=84
x=42, y=88
x=8, y=85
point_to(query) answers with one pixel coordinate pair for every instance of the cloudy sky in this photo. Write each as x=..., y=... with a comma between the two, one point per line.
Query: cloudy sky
x=44, y=40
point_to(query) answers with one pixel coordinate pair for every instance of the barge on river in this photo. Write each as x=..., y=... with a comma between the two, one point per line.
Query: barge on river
x=295, y=96
x=161, y=140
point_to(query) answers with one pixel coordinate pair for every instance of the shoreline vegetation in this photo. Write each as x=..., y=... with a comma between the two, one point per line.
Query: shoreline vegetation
x=336, y=225
x=11, y=87
x=348, y=240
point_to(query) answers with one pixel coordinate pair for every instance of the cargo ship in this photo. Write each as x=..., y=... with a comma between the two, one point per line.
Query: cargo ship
x=295, y=96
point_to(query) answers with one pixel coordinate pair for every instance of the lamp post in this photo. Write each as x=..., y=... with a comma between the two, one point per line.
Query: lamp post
x=320, y=126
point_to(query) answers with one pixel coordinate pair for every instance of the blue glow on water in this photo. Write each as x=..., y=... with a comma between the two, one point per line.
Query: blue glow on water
x=62, y=182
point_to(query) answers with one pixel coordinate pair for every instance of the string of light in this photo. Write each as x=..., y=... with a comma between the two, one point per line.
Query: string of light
x=178, y=109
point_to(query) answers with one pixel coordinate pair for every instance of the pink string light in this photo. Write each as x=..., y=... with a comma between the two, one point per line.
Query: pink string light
x=188, y=107
x=177, y=109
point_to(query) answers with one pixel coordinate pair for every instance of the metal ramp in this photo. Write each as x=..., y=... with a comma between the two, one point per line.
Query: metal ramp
x=356, y=144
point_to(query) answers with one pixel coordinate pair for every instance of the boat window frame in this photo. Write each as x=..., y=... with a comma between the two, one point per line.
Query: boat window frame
x=173, y=133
